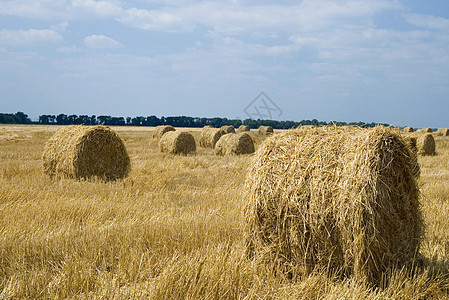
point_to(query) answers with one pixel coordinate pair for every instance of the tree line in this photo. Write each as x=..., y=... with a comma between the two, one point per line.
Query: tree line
x=178, y=121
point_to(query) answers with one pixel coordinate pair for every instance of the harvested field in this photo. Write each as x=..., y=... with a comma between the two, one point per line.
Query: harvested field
x=171, y=229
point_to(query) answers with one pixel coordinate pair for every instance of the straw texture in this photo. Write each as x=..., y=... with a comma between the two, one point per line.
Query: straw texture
x=177, y=142
x=83, y=152
x=209, y=137
x=243, y=128
x=161, y=130
x=443, y=132
x=227, y=129
x=265, y=130
x=426, y=144
x=408, y=129
x=235, y=144
x=340, y=199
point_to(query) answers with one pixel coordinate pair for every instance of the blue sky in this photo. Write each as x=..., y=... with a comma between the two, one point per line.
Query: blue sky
x=343, y=60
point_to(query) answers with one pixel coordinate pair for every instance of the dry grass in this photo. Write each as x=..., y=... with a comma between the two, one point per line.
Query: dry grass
x=170, y=230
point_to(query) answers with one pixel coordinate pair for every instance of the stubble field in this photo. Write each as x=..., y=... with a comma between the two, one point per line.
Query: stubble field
x=171, y=230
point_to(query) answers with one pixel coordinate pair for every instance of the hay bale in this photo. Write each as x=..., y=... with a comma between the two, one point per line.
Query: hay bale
x=227, y=129
x=235, y=144
x=426, y=144
x=243, y=128
x=209, y=137
x=83, y=152
x=338, y=199
x=177, y=142
x=161, y=130
x=443, y=132
x=408, y=129
x=426, y=130
x=412, y=143
x=208, y=126
x=265, y=130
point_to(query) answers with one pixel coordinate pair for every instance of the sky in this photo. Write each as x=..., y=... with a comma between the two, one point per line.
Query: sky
x=383, y=61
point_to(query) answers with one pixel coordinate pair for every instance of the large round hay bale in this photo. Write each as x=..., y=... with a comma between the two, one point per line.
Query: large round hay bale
x=426, y=130
x=426, y=144
x=83, y=152
x=243, y=128
x=209, y=137
x=412, y=143
x=227, y=129
x=408, y=129
x=161, y=130
x=338, y=199
x=177, y=142
x=443, y=132
x=265, y=130
x=235, y=144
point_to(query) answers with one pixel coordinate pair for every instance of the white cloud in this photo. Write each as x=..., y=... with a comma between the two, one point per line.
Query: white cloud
x=101, y=42
x=28, y=37
x=427, y=21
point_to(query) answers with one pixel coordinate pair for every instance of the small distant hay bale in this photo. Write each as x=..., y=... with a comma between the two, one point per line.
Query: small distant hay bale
x=161, y=130
x=426, y=144
x=408, y=129
x=208, y=126
x=426, y=130
x=177, y=142
x=443, y=132
x=243, y=128
x=209, y=137
x=83, y=152
x=227, y=129
x=265, y=130
x=338, y=199
x=235, y=144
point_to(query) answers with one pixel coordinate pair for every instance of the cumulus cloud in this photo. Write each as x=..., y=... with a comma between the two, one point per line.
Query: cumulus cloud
x=28, y=37
x=101, y=42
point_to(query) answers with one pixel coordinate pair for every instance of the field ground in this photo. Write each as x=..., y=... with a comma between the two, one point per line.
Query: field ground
x=170, y=230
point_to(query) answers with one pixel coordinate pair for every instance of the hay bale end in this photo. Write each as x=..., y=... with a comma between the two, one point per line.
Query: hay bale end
x=177, y=142
x=235, y=144
x=265, y=130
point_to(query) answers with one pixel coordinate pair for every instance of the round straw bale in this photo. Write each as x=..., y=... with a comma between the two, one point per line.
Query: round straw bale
x=411, y=142
x=408, y=129
x=338, y=199
x=240, y=143
x=243, y=128
x=265, y=130
x=177, y=142
x=161, y=130
x=208, y=126
x=426, y=129
x=83, y=152
x=209, y=137
x=443, y=131
x=227, y=129
x=426, y=144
